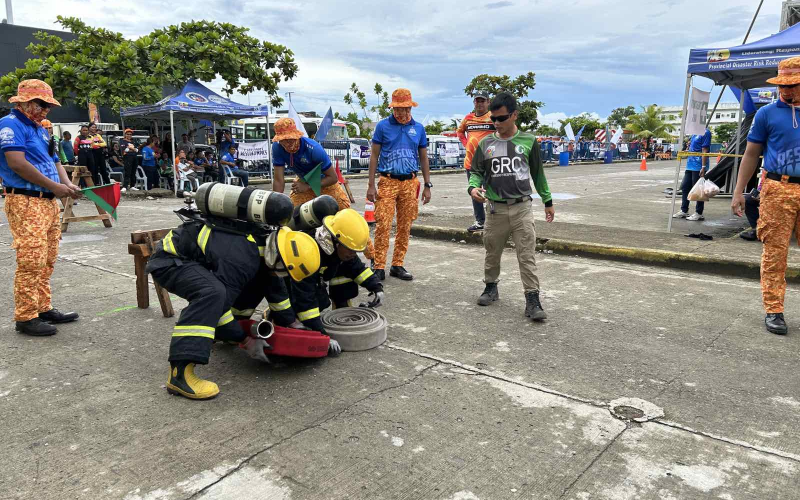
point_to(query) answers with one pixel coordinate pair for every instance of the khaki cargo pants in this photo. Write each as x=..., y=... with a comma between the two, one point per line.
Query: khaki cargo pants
x=502, y=221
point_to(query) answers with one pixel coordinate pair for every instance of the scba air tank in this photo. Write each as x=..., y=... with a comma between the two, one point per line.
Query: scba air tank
x=249, y=204
x=309, y=215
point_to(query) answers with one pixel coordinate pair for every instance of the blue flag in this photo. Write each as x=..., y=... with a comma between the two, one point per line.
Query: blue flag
x=324, y=127
x=580, y=132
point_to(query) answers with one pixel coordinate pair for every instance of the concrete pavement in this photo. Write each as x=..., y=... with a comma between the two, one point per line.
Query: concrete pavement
x=462, y=402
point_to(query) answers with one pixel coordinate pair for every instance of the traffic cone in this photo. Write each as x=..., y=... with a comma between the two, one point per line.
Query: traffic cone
x=643, y=166
x=369, y=212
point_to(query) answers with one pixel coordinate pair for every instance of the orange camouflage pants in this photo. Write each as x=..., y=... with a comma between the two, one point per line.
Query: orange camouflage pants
x=403, y=196
x=36, y=228
x=779, y=216
x=338, y=194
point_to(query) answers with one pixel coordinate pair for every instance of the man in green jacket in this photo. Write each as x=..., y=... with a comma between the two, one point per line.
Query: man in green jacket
x=505, y=162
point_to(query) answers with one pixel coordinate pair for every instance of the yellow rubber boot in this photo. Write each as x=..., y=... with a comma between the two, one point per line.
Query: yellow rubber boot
x=183, y=382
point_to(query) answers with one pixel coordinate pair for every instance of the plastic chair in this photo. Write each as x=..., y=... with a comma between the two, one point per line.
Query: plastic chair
x=141, y=179
x=163, y=183
x=230, y=178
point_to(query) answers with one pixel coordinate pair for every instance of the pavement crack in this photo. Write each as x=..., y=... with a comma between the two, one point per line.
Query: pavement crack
x=318, y=424
x=566, y=490
x=724, y=330
x=735, y=442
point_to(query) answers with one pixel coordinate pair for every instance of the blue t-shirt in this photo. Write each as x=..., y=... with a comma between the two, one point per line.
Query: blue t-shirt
x=399, y=145
x=148, y=157
x=772, y=128
x=68, y=151
x=229, y=158
x=224, y=146
x=310, y=154
x=696, y=145
x=18, y=133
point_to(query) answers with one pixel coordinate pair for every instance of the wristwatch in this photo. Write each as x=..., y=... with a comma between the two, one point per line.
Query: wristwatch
x=428, y=184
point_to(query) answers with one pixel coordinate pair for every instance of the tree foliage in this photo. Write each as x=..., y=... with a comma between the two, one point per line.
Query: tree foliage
x=619, y=116
x=725, y=132
x=647, y=124
x=547, y=130
x=435, y=128
x=579, y=121
x=105, y=68
x=369, y=113
x=519, y=87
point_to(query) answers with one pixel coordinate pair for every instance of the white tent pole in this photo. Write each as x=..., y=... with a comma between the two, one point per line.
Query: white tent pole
x=269, y=149
x=680, y=146
x=172, y=135
x=735, y=172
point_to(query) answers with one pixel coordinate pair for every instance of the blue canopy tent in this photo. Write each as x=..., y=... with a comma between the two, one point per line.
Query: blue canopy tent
x=196, y=102
x=744, y=67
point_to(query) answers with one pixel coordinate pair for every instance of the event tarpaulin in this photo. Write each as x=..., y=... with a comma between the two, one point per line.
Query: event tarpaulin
x=253, y=151
x=746, y=66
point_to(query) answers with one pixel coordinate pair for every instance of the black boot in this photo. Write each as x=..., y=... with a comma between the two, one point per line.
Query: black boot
x=400, y=272
x=380, y=273
x=776, y=324
x=749, y=235
x=36, y=328
x=489, y=295
x=533, y=307
x=54, y=316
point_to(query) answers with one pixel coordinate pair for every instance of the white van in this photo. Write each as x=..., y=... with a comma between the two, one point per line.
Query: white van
x=445, y=151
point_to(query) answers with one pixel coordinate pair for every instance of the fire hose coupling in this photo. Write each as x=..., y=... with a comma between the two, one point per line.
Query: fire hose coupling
x=262, y=330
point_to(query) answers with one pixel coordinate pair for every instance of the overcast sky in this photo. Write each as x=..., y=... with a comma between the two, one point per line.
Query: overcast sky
x=588, y=55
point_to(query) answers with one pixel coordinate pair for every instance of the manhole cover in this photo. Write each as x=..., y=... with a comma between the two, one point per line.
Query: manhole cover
x=635, y=409
x=627, y=412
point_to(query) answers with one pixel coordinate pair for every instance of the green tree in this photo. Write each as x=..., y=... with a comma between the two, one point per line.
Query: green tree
x=520, y=87
x=619, y=117
x=454, y=123
x=350, y=118
x=648, y=125
x=103, y=67
x=435, y=128
x=546, y=130
x=579, y=121
x=355, y=97
x=725, y=132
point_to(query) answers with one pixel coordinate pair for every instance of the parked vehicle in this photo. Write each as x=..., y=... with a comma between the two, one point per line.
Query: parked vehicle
x=360, y=152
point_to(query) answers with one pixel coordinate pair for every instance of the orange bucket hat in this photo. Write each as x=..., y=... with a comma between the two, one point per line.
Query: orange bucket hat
x=788, y=72
x=285, y=128
x=401, y=98
x=28, y=90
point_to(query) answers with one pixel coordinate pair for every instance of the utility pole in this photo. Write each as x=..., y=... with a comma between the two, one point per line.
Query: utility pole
x=9, y=13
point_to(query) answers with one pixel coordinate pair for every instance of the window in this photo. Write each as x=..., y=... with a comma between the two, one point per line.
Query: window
x=719, y=115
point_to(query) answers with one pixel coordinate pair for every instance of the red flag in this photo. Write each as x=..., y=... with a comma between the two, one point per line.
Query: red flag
x=339, y=173
x=106, y=197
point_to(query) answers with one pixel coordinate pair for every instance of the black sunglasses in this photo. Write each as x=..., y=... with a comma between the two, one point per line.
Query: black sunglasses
x=789, y=86
x=42, y=104
x=501, y=118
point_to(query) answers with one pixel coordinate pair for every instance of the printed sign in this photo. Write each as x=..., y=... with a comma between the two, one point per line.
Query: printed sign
x=697, y=112
x=252, y=151
x=448, y=149
x=623, y=148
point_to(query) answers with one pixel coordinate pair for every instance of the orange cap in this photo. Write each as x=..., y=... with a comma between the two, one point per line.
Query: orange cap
x=285, y=128
x=28, y=90
x=401, y=98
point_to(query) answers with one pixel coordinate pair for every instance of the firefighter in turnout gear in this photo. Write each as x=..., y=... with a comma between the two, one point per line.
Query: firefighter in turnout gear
x=210, y=268
x=340, y=238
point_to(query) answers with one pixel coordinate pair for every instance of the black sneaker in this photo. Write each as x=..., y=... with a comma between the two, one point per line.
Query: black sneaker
x=489, y=295
x=380, y=273
x=533, y=307
x=475, y=227
x=776, y=324
x=749, y=235
x=400, y=272
x=36, y=328
x=54, y=316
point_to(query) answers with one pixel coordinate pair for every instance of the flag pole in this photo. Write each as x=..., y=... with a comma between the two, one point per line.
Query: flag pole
x=174, y=165
x=269, y=148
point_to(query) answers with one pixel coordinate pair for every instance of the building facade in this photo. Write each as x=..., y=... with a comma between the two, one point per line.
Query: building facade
x=727, y=112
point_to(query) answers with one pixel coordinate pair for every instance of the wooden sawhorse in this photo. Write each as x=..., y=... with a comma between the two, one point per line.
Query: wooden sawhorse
x=142, y=246
x=78, y=173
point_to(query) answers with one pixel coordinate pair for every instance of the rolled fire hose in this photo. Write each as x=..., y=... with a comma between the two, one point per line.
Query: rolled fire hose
x=355, y=328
